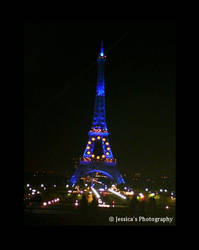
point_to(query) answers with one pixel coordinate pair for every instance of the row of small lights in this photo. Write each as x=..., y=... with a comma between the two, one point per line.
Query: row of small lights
x=42, y=185
x=98, y=130
x=28, y=185
x=51, y=202
x=161, y=191
x=70, y=191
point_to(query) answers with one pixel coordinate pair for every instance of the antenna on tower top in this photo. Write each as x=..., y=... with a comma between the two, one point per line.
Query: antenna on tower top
x=102, y=52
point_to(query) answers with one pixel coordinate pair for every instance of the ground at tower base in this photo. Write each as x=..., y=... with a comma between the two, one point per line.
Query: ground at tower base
x=47, y=204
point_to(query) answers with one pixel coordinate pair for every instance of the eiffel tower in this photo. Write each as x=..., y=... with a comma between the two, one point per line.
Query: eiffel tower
x=98, y=156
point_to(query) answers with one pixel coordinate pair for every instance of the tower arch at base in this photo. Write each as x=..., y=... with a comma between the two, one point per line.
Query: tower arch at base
x=110, y=171
x=99, y=171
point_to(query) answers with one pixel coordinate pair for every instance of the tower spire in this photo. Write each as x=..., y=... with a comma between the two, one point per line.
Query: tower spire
x=99, y=109
x=102, y=51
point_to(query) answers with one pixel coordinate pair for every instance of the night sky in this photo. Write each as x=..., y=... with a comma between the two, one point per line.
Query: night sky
x=60, y=74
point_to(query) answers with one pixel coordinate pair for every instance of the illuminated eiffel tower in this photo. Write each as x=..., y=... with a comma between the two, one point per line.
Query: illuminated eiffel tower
x=98, y=156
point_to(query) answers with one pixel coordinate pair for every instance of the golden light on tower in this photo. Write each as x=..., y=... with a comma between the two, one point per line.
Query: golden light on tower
x=98, y=137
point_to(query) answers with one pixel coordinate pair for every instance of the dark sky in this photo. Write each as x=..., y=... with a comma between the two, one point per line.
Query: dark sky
x=59, y=89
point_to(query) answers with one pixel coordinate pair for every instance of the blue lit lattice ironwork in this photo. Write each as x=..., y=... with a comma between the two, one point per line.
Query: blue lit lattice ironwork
x=105, y=162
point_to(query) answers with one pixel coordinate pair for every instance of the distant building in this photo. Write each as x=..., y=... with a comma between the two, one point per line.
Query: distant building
x=75, y=162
